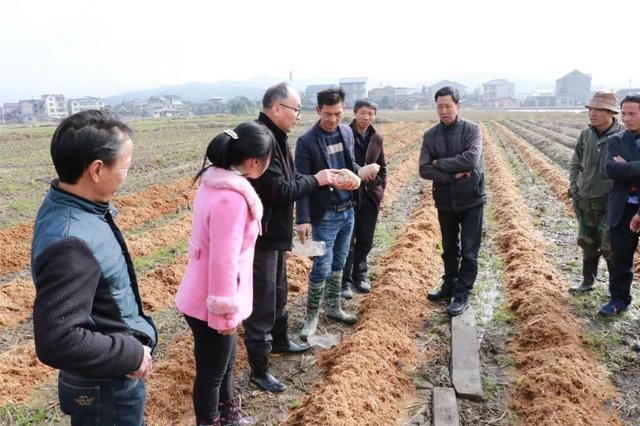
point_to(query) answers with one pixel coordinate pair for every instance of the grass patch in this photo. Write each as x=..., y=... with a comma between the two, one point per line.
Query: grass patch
x=574, y=263
x=608, y=345
x=160, y=257
x=504, y=360
x=159, y=222
x=586, y=305
x=503, y=315
x=23, y=206
x=11, y=187
x=385, y=236
x=20, y=415
x=491, y=388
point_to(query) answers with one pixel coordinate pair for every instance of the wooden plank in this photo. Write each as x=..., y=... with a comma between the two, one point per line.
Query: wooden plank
x=465, y=357
x=445, y=407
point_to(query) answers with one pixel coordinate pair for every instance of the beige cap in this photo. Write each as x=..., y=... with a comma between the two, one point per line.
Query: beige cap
x=604, y=100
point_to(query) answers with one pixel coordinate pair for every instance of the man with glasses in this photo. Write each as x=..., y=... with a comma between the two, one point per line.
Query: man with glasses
x=296, y=110
x=265, y=331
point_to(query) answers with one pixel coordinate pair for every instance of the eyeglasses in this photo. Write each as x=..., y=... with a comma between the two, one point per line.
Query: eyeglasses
x=297, y=110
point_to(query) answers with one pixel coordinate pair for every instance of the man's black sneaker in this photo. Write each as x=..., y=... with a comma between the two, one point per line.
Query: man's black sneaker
x=458, y=306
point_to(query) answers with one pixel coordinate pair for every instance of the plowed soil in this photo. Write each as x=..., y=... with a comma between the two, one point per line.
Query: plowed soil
x=370, y=377
x=139, y=208
x=365, y=376
x=559, y=380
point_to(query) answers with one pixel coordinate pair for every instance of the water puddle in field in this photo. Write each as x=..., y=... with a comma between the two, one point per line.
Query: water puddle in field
x=488, y=289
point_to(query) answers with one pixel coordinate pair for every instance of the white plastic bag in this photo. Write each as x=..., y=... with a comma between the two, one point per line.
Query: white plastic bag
x=310, y=248
x=325, y=341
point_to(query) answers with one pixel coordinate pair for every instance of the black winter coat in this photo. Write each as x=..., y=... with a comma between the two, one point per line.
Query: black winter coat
x=279, y=187
x=457, y=148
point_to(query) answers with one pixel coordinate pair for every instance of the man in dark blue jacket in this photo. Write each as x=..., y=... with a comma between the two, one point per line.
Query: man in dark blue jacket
x=87, y=314
x=623, y=167
x=328, y=144
x=451, y=157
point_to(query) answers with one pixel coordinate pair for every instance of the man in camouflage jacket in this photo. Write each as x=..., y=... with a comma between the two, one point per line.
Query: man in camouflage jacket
x=590, y=186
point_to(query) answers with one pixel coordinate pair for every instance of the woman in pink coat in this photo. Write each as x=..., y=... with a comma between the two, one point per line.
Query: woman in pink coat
x=216, y=293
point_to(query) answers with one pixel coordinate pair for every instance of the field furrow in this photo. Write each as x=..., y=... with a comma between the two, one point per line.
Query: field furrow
x=560, y=154
x=559, y=381
x=365, y=376
x=557, y=179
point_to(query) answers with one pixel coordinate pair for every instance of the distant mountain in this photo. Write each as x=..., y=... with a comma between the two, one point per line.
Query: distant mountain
x=199, y=92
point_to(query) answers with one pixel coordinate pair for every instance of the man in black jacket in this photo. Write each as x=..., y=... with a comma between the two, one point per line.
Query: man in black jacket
x=265, y=331
x=451, y=157
x=367, y=149
x=87, y=314
x=623, y=217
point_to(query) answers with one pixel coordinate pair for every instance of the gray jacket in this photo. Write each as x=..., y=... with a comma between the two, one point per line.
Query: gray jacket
x=587, y=175
x=457, y=148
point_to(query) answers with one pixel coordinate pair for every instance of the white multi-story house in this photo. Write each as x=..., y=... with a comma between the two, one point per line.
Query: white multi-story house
x=174, y=100
x=164, y=106
x=500, y=93
x=83, y=104
x=55, y=107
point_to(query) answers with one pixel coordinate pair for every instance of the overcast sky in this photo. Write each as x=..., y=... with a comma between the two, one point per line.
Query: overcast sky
x=79, y=48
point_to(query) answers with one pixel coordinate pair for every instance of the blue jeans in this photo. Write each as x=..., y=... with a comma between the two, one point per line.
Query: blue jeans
x=335, y=230
x=102, y=402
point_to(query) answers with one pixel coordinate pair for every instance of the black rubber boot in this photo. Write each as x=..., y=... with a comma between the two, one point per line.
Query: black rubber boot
x=261, y=377
x=282, y=344
x=332, y=299
x=589, y=273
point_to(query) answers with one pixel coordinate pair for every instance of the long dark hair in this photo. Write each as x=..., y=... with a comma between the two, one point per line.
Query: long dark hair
x=232, y=147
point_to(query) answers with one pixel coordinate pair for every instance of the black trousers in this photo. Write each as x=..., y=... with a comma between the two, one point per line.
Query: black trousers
x=366, y=217
x=215, y=355
x=623, y=244
x=461, y=236
x=269, y=300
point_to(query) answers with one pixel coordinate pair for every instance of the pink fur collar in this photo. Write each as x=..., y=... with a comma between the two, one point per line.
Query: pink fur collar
x=215, y=177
